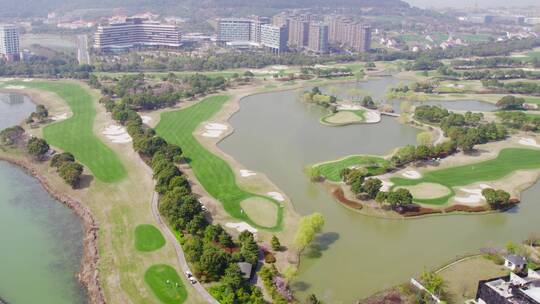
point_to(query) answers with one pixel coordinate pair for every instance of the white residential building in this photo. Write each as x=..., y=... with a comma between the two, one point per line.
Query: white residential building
x=274, y=38
x=234, y=29
x=9, y=42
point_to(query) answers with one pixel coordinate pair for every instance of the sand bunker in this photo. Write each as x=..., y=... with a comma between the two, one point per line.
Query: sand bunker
x=5, y=79
x=349, y=107
x=412, y=174
x=146, y=119
x=386, y=185
x=27, y=79
x=117, y=134
x=277, y=196
x=61, y=116
x=372, y=117
x=214, y=129
x=528, y=142
x=475, y=195
x=242, y=226
x=279, y=67
x=247, y=173
x=15, y=87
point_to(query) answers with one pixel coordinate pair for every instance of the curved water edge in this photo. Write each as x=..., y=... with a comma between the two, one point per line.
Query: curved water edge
x=86, y=255
x=356, y=255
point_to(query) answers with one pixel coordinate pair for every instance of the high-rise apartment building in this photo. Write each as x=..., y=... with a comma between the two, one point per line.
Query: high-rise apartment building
x=348, y=34
x=256, y=23
x=135, y=32
x=234, y=29
x=298, y=33
x=318, y=38
x=9, y=42
x=274, y=38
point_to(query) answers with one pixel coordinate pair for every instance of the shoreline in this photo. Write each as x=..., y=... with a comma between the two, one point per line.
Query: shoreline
x=88, y=274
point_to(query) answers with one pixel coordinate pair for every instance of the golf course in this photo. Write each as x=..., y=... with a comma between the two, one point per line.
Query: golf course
x=331, y=170
x=75, y=135
x=508, y=161
x=166, y=284
x=214, y=173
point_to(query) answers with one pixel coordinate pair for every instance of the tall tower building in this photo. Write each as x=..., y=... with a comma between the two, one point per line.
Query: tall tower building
x=298, y=33
x=257, y=22
x=318, y=38
x=9, y=42
x=234, y=29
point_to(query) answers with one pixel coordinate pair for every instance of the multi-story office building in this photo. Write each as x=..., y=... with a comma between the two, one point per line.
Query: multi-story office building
x=234, y=29
x=318, y=38
x=9, y=42
x=136, y=32
x=256, y=23
x=274, y=38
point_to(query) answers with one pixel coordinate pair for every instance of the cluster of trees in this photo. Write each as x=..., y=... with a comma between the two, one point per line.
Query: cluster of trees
x=326, y=72
x=486, y=74
x=308, y=227
x=510, y=102
x=270, y=276
x=410, y=153
x=68, y=169
x=423, y=64
x=316, y=96
x=11, y=135
x=518, y=87
x=39, y=115
x=488, y=63
x=497, y=199
x=424, y=87
x=60, y=65
x=356, y=179
x=519, y=120
x=398, y=199
x=37, y=147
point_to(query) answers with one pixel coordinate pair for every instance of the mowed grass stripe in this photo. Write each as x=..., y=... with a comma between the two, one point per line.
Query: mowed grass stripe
x=508, y=161
x=332, y=170
x=214, y=173
x=75, y=135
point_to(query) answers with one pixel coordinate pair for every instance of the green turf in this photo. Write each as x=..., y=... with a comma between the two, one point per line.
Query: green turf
x=359, y=113
x=331, y=170
x=75, y=135
x=508, y=161
x=214, y=173
x=166, y=284
x=148, y=238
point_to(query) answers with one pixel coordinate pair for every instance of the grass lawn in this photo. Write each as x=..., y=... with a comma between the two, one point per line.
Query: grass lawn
x=214, y=173
x=166, y=284
x=508, y=161
x=148, y=238
x=344, y=117
x=331, y=170
x=530, y=99
x=75, y=135
x=532, y=55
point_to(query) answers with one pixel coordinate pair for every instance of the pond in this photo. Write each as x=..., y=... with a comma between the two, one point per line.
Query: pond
x=356, y=255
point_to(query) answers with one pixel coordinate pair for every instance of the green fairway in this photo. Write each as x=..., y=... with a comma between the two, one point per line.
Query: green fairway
x=148, y=238
x=508, y=161
x=331, y=170
x=166, y=284
x=75, y=135
x=214, y=173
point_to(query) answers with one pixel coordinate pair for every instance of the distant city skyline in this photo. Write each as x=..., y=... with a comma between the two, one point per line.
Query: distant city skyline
x=470, y=3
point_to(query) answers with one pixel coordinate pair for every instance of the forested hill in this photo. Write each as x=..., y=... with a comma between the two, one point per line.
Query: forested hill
x=26, y=8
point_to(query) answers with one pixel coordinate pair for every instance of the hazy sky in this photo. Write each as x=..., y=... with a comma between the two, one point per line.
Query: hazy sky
x=469, y=3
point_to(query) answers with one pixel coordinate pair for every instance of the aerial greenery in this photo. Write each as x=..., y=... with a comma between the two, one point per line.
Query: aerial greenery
x=216, y=176
x=332, y=170
x=308, y=228
x=76, y=134
x=166, y=284
x=508, y=161
x=148, y=238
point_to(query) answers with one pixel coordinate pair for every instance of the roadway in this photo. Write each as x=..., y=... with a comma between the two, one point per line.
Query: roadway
x=83, y=56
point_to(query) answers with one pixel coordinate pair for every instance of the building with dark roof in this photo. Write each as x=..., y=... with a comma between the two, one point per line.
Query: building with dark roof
x=511, y=289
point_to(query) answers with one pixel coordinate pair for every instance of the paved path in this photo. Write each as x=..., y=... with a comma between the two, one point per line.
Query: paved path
x=83, y=56
x=179, y=251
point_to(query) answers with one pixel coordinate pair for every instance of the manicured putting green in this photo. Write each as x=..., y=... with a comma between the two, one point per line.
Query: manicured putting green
x=76, y=135
x=261, y=211
x=166, y=284
x=428, y=191
x=331, y=170
x=148, y=238
x=213, y=173
x=508, y=161
x=344, y=117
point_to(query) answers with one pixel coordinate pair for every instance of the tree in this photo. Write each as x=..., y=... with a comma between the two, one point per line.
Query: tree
x=496, y=198
x=276, y=245
x=213, y=262
x=312, y=299
x=233, y=277
x=372, y=187
x=400, y=197
x=432, y=282
x=367, y=102
x=422, y=152
x=510, y=102
x=424, y=138
x=58, y=159
x=71, y=173
x=37, y=147
x=308, y=227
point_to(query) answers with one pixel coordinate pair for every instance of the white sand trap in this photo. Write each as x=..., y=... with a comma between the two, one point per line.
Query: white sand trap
x=279, y=67
x=15, y=87
x=214, y=129
x=372, y=117
x=146, y=119
x=5, y=79
x=58, y=117
x=117, y=134
x=242, y=226
x=277, y=196
x=412, y=174
x=386, y=185
x=348, y=107
x=528, y=142
x=27, y=79
x=475, y=195
x=247, y=173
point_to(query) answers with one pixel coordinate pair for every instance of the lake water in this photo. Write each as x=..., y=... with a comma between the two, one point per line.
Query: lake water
x=41, y=239
x=357, y=255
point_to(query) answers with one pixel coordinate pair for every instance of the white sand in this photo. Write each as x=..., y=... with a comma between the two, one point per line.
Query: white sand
x=247, y=173
x=528, y=142
x=117, y=134
x=5, y=79
x=412, y=174
x=279, y=67
x=277, y=196
x=348, y=107
x=27, y=79
x=531, y=106
x=214, y=129
x=146, y=119
x=242, y=226
x=372, y=117
x=15, y=87
x=475, y=195
x=58, y=117
x=386, y=185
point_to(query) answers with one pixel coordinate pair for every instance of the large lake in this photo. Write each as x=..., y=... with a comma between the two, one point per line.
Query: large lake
x=357, y=255
x=41, y=239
